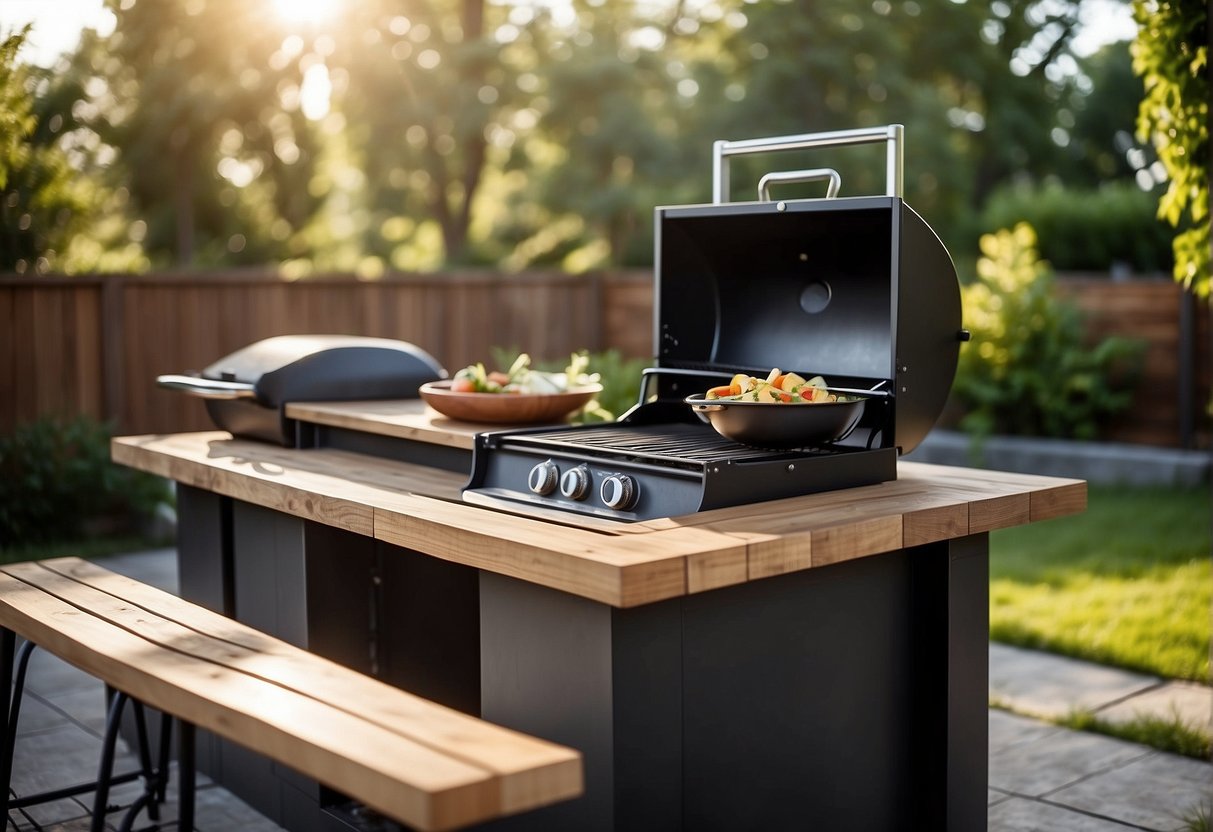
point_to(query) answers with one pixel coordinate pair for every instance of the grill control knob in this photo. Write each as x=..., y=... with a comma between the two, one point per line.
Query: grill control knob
x=575, y=483
x=619, y=492
x=543, y=477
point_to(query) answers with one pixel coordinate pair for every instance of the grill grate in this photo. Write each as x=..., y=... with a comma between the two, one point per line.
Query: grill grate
x=671, y=443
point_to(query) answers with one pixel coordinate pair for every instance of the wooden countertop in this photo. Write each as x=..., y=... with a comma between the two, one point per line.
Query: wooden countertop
x=399, y=418
x=621, y=564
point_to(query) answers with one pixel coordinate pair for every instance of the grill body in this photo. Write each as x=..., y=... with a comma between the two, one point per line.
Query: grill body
x=859, y=290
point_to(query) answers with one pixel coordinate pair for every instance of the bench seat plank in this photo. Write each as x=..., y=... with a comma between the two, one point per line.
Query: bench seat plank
x=416, y=761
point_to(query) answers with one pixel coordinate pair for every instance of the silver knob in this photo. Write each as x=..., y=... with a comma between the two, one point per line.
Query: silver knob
x=575, y=483
x=543, y=477
x=619, y=492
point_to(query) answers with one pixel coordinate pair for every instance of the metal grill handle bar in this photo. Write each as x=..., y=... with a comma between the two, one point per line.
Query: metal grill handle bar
x=893, y=135
x=799, y=176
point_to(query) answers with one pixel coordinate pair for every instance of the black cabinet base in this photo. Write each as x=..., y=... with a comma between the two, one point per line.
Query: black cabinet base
x=850, y=697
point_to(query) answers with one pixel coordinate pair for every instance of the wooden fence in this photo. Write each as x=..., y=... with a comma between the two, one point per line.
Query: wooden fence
x=95, y=345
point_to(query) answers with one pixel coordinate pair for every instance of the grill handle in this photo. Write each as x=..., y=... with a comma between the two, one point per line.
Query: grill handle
x=893, y=135
x=208, y=388
x=799, y=176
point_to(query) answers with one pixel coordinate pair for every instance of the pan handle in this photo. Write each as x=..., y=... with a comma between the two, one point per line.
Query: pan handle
x=208, y=388
x=893, y=135
x=799, y=176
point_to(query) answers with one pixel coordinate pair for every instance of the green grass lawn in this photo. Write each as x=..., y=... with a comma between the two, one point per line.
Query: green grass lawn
x=1127, y=583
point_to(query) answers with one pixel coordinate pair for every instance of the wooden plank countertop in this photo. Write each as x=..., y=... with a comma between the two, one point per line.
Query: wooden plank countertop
x=398, y=418
x=620, y=564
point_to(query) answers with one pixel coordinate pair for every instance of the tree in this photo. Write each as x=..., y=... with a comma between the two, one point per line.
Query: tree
x=55, y=214
x=428, y=84
x=1171, y=54
x=203, y=101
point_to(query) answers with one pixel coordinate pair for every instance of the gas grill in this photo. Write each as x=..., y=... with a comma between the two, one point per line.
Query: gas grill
x=859, y=290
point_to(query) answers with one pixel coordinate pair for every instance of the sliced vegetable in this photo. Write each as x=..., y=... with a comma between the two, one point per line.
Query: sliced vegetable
x=777, y=388
x=520, y=378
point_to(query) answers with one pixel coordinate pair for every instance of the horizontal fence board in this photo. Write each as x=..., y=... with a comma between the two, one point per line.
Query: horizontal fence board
x=94, y=345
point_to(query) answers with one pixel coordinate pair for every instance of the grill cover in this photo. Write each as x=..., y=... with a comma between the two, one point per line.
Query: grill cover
x=858, y=290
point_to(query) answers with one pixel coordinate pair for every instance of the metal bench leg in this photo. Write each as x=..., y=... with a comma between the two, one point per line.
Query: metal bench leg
x=185, y=771
x=151, y=777
x=166, y=747
x=13, y=691
x=106, y=769
x=8, y=645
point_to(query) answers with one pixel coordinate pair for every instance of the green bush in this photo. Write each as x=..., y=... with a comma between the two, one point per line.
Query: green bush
x=57, y=484
x=619, y=376
x=1086, y=230
x=1027, y=370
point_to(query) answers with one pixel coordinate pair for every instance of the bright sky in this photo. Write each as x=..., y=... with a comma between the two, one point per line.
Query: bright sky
x=57, y=23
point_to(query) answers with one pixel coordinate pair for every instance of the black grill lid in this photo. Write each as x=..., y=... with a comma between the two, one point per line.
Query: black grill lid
x=316, y=368
x=858, y=290
x=247, y=391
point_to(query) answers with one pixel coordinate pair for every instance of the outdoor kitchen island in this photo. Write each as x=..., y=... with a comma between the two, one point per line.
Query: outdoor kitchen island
x=817, y=662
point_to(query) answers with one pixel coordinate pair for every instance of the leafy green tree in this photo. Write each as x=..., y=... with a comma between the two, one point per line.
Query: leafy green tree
x=1104, y=118
x=429, y=88
x=1171, y=54
x=203, y=101
x=56, y=215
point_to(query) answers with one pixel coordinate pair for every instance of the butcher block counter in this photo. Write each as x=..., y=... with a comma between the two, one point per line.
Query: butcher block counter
x=813, y=662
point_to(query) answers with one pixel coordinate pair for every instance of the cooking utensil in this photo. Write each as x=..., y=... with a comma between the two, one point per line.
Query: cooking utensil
x=775, y=425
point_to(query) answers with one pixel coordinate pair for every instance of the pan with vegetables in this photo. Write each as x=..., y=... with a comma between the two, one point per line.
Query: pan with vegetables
x=784, y=410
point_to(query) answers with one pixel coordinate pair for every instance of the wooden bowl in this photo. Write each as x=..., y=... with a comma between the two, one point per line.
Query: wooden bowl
x=506, y=408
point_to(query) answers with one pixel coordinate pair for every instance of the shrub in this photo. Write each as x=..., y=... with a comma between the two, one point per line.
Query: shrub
x=619, y=376
x=1027, y=370
x=1086, y=230
x=57, y=482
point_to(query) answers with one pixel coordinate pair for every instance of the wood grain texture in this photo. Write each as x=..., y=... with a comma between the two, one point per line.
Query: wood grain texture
x=405, y=419
x=412, y=759
x=614, y=563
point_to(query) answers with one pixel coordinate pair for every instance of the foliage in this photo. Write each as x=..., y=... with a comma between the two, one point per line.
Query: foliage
x=618, y=375
x=56, y=480
x=16, y=122
x=203, y=102
x=1027, y=370
x=46, y=205
x=408, y=137
x=1097, y=124
x=1126, y=583
x=1171, y=54
x=1079, y=229
x=620, y=378
x=1198, y=819
x=1170, y=735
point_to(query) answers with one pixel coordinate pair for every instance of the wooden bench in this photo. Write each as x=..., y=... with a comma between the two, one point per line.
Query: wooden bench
x=414, y=761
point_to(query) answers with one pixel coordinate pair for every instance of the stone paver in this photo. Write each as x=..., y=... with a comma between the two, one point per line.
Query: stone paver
x=1190, y=704
x=1022, y=815
x=1050, y=686
x=1055, y=760
x=85, y=706
x=1154, y=791
x=50, y=675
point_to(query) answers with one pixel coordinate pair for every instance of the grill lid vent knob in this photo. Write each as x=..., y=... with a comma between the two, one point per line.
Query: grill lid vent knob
x=543, y=478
